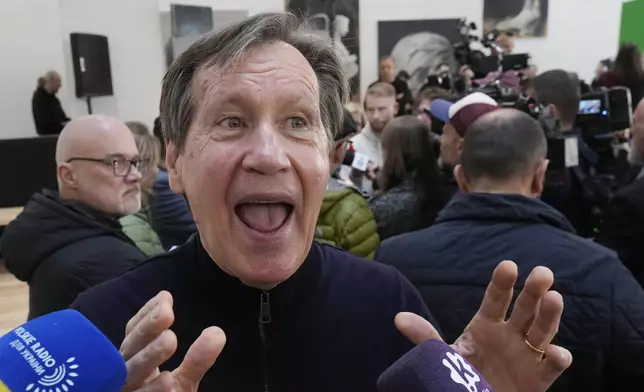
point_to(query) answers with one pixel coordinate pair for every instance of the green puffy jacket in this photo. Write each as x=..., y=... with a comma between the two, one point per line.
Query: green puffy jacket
x=346, y=221
x=138, y=229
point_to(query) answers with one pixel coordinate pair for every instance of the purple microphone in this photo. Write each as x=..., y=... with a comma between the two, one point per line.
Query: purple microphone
x=432, y=367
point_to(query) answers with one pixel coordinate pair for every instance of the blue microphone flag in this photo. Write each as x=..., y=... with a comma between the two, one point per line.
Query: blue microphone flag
x=59, y=352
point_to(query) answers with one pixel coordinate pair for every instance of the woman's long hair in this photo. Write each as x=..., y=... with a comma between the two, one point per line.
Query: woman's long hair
x=628, y=63
x=409, y=156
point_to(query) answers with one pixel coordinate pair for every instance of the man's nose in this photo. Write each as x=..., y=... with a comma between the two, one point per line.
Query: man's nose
x=266, y=151
x=134, y=175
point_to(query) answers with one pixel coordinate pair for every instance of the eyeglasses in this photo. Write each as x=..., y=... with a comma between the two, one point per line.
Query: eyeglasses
x=122, y=167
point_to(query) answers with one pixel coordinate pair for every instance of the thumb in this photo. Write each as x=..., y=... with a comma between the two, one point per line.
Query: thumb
x=199, y=359
x=416, y=328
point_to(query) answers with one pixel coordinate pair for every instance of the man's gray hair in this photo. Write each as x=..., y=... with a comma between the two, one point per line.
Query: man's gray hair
x=225, y=47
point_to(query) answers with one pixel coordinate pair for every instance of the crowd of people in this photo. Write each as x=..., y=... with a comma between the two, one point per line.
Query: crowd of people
x=237, y=230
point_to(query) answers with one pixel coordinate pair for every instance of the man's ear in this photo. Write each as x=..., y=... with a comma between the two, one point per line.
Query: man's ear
x=460, y=179
x=67, y=176
x=554, y=111
x=337, y=153
x=174, y=162
x=459, y=147
x=540, y=178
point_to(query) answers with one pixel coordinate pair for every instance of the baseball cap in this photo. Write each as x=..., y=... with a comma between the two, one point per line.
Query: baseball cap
x=464, y=112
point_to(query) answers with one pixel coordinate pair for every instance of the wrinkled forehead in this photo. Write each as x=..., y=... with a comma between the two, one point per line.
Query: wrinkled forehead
x=277, y=66
x=102, y=144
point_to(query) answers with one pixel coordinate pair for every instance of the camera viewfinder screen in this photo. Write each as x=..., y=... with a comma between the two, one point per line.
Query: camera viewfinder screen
x=591, y=106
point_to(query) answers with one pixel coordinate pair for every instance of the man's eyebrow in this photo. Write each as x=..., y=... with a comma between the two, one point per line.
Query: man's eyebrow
x=121, y=156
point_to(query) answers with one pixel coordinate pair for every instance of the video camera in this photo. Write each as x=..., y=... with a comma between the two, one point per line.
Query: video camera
x=480, y=63
x=606, y=111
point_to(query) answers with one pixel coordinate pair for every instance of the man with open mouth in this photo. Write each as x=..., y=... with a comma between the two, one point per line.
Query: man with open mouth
x=248, y=115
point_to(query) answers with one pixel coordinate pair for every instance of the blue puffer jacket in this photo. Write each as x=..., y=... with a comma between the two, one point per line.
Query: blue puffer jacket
x=452, y=262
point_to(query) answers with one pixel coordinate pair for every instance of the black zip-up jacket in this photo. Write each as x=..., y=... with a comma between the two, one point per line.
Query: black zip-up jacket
x=61, y=248
x=48, y=113
x=452, y=261
x=329, y=327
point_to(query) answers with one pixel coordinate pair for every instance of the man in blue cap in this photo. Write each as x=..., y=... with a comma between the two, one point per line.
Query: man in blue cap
x=457, y=117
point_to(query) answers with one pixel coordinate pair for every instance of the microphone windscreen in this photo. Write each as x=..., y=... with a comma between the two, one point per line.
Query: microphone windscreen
x=432, y=367
x=59, y=352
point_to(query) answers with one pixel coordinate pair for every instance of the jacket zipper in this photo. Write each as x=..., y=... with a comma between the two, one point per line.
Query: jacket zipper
x=264, y=318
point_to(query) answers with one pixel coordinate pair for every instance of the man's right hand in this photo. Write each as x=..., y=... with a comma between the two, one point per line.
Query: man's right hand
x=149, y=343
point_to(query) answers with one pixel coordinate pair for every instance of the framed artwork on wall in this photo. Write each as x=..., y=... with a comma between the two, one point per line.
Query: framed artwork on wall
x=338, y=21
x=527, y=18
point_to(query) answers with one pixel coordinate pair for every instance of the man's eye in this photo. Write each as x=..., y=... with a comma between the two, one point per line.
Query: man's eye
x=297, y=122
x=233, y=122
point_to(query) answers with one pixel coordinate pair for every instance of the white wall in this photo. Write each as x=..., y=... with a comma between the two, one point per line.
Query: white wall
x=575, y=42
x=30, y=44
x=34, y=37
x=253, y=6
x=136, y=55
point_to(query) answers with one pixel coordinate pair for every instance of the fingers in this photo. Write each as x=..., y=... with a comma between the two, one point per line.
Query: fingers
x=527, y=305
x=547, y=322
x=415, y=328
x=200, y=357
x=152, y=304
x=556, y=360
x=499, y=292
x=142, y=366
x=148, y=328
x=163, y=383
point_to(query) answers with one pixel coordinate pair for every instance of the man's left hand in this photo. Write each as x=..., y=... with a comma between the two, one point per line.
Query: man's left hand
x=499, y=349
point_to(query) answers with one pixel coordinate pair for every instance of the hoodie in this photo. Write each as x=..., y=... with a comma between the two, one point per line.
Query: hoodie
x=346, y=221
x=452, y=261
x=61, y=248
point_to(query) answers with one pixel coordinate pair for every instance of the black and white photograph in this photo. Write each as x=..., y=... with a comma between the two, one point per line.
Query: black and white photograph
x=339, y=20
x=527, y=18
x=419, y=47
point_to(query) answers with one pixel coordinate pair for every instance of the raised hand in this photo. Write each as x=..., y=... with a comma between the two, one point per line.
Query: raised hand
x=513, y=355
x=149, y=343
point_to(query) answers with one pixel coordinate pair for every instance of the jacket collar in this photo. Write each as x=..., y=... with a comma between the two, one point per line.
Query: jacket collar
x=370, y=135
x=486, y=207
x=287, y=299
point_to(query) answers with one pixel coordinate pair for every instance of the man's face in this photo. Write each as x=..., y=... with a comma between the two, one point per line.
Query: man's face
x=53, y=84
x=99, y=187
x=255, y=164
x=387, y=70
x=637, y=130
x=379, y=111
x=450, y=146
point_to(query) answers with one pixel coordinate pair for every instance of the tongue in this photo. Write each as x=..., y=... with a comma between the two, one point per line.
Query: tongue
x=264, y=218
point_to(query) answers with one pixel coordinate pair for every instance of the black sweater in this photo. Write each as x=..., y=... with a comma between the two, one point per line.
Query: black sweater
x=331, y=324
x=49, y=116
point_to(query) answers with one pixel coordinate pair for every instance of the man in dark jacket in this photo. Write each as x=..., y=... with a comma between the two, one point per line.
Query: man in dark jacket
x=62, y=244
x=623, y=229
x=498, y=217
x=48, y=113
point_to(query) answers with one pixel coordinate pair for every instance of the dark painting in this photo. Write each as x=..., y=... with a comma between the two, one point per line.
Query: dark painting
x=419, y=46
x=529, y=18
x=339, y=21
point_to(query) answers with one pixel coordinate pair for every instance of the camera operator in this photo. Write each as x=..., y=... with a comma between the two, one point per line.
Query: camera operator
x=624, y=217
x=403, y=94
x=574, y=193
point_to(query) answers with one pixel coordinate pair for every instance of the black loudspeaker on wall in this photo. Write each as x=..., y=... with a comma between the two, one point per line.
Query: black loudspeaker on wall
x=92, y=71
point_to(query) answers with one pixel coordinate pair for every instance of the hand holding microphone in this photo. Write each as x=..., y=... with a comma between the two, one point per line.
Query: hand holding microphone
x=513, y=356
x=149, y=343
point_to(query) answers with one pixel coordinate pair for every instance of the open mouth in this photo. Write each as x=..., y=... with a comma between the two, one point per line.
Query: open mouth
x=264, y=216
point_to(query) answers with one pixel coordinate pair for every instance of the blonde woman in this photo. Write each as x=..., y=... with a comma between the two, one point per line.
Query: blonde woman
x=137, y=226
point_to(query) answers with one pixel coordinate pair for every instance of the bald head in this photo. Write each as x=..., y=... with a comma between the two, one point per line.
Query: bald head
x=93, y=156
x=91, y=136
x=503, y=147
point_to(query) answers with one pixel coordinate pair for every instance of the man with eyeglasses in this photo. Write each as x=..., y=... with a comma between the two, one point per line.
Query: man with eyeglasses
x=68, y=241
